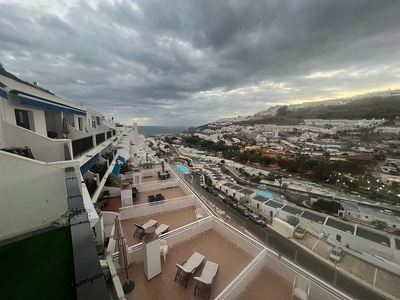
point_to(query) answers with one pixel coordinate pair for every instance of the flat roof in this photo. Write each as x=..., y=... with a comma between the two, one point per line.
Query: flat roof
x=313, y=217
x=247, y=191
x=229, y=184
x=292, y=210
x=274, y=204
x=342, y=226
x=39, y=267
x=373, y=236
x=237, y=187
x=259, y=198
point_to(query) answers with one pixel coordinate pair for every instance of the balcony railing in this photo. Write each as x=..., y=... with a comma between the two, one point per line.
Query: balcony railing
x=91, y=186
x=100, y=137
x=82, y=145
x=109, y=134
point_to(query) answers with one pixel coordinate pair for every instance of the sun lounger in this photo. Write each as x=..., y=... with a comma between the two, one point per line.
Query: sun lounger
x=188, y=267
x=150, y=223
x=139, y=231
x=204, y=282
x=163, y=228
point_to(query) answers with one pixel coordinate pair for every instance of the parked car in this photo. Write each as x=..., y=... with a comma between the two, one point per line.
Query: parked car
x=198, y=172
x=242, y=210
x=214, y=193
x=233, y=204
x=256, y=219
x=336, y=254
x=300, y=232
x=227, y=201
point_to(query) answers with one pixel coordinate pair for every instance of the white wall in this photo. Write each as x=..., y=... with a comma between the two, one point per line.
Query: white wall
x=43, y=148
x=2, y=117
x=39, y=123
x=284, y=228
x=356, y=243
x=312, y=226
x=33, y=194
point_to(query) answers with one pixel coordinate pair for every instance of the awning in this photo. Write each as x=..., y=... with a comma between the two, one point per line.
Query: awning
x=116, y=169
x=3, y=93
x=90, y=163
x=28, y=100
x=121, y=159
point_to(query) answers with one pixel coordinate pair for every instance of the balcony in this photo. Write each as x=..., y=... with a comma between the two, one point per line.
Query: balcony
x=43, y=148
x=82, y=145
x=100, y=169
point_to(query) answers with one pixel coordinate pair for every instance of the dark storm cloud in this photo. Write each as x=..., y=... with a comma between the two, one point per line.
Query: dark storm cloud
x=190, y=62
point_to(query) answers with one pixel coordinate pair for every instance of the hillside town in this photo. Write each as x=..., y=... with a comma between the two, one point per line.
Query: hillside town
x=335, y=180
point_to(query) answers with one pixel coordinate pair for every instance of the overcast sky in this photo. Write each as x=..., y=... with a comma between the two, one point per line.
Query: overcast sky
x=184, y=62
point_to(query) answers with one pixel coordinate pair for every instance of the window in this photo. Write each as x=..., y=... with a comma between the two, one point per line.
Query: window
x=80, y=124
x=22, y=118
x=98, y=120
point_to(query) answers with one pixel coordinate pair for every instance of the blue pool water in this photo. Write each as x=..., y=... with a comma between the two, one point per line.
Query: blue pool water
x=264, y=194
x=182, y=169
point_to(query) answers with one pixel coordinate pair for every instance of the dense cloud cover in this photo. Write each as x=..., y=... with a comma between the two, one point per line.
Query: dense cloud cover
x=188, y=62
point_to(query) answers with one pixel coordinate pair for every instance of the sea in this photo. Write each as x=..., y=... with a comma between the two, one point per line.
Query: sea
x=161, y=130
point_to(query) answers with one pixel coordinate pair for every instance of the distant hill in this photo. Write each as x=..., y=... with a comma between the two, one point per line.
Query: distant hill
x=367, y=108
x=375, y=107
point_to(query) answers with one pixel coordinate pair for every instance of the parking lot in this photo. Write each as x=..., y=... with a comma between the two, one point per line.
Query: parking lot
x=380, y=278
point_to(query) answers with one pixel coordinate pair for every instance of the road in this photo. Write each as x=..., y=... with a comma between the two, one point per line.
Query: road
x=288, y=249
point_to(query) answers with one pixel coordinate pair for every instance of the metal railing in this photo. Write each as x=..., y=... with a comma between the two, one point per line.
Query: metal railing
x=82, y=145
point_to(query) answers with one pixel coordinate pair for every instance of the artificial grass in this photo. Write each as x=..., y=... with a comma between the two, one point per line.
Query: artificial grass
x=39, y=267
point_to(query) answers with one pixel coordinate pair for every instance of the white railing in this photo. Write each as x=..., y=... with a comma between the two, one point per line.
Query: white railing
x=241, y=240
x=140, y=210
x=288, y=270
x=156, y=185
x=241, y=281
x=188, y=231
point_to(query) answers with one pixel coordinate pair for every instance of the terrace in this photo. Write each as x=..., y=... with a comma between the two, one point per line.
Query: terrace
x=243, y=262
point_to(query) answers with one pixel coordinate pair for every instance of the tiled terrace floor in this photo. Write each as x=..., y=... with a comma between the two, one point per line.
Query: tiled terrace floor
x=231, y=259
x=267, y=285
x=115, y=202
x=174, y=219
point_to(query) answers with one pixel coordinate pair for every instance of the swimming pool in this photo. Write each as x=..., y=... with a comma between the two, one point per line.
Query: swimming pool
x=264, y=194
x=182, y=169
